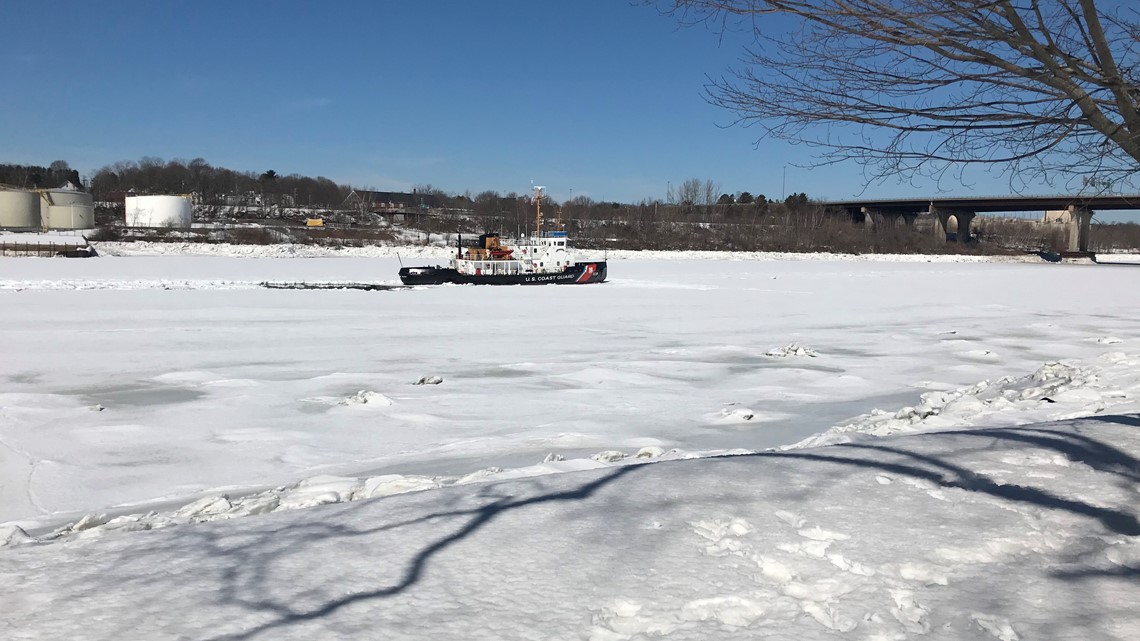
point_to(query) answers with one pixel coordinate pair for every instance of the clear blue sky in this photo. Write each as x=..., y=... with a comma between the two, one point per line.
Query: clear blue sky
x=594, y=96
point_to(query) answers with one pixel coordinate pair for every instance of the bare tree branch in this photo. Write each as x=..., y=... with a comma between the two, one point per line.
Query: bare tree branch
x=1041, y=88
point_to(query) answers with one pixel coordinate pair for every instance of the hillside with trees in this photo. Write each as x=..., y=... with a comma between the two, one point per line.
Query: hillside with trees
x=214, y=186
x=57, y=174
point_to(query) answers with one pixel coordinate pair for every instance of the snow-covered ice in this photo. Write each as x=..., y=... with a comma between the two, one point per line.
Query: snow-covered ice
x=204, y=390
x=801, y=544
x=186, y=455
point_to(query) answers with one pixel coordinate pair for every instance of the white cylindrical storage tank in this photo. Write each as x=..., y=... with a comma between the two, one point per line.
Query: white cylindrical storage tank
x=67, y=209
x=159, y=211
x=19, y=209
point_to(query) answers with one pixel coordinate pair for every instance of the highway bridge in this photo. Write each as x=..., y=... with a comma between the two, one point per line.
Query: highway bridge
x=1079, y=209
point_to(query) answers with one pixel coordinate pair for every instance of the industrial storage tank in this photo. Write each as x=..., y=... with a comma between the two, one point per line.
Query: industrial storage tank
x=67, y=209
x=19, y=209
x=159, y=211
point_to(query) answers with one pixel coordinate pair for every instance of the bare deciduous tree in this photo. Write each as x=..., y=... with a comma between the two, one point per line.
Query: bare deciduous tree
x=689, y=193
x=694, y=192
x=710, y=192
x=1040, y=88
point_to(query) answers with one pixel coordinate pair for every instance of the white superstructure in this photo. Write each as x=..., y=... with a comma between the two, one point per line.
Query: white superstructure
x=542, y=253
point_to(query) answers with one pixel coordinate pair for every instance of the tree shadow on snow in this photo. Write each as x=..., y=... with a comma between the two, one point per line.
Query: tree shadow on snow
x=890, y=458
x=254, y=568
x=247, y=581
x=1122, y=572
x=1096, y=454
x=1123, y=419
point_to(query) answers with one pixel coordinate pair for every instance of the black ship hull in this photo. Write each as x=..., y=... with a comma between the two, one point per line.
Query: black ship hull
x=579, y=274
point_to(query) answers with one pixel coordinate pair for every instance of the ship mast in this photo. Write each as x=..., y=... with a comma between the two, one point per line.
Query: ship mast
x=538, y=211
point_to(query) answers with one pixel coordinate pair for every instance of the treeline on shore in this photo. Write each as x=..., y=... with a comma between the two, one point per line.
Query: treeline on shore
x=212, y=185
x=696, y=215
x=57, y=174
x=797, y=224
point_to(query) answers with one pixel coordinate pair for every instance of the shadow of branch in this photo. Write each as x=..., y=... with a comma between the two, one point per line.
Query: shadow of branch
x=237, y=578
x=1123, y=572
x=1097, y=454
x=253, y=556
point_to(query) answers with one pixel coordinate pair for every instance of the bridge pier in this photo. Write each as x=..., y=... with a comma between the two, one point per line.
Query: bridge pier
x=886, y=219
x=1080, y=220
x=942, y=222
x=964, y=220
x=879, y=219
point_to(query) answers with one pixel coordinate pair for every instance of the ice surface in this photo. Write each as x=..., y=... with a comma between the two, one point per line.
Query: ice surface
x=126, y=400
x=802, y=544
x=175, y=440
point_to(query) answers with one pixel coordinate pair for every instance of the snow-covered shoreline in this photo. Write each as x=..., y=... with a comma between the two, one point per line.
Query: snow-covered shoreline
x=441, y=252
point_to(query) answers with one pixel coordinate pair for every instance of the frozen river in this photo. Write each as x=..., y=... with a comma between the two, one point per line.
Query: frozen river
x=146, y=379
